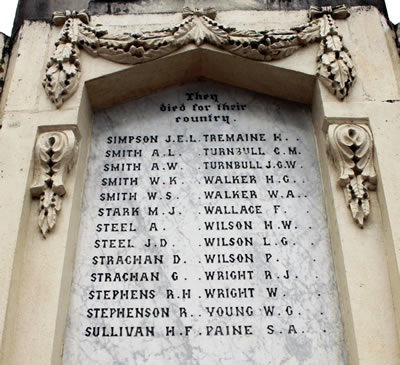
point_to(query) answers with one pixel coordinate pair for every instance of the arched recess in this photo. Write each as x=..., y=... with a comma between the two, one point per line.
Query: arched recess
x=285, y=79
x=193, y=63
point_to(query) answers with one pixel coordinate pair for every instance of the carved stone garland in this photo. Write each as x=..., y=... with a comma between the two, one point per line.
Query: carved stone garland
x=351, y=149
x=55, y=154
x=335, y=67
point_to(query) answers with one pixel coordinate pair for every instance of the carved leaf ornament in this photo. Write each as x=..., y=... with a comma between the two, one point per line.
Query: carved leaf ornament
x=351, y=149
x=335, y=67
x=55, y=154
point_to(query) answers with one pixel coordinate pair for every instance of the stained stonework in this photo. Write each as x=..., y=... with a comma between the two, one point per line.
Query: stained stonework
x=98, y=7
x=4, y=58
x=43, y=9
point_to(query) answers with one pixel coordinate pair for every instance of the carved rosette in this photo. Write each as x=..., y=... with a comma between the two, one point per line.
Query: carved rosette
x=351, y=149
x=335, y=67
x=55, y=154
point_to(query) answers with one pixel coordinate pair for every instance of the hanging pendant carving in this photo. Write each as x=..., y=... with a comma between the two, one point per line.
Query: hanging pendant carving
x=351, y=149
x=63, y=69
x=55, y=154
x=335, y=67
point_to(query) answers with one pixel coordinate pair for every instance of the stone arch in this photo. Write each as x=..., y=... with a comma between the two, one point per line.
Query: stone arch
x=195, y=63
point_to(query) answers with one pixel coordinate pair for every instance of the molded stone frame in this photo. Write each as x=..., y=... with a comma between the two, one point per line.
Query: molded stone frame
x=36, y=273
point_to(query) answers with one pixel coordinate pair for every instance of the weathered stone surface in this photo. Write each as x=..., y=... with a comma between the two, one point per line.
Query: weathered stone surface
x=43, y=9
x=4, y=57
x=126, y=7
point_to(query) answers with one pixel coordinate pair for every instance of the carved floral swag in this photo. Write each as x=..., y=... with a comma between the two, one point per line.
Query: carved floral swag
x=335, y=67
x=349, y=145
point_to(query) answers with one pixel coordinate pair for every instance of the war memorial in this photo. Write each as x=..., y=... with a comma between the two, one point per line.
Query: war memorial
x=200, y=183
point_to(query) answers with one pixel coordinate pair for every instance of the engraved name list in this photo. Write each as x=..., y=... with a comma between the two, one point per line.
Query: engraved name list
x=203, y=235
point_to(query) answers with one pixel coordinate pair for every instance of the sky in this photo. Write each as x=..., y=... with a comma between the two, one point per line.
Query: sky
x=7, y=11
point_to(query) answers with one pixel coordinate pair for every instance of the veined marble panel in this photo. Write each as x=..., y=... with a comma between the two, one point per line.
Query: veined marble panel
x=204, y=236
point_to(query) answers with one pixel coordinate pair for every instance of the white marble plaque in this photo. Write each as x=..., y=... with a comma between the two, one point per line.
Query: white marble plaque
x=204, y=236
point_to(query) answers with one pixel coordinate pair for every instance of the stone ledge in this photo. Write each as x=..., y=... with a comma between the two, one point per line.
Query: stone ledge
x=100, y=7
